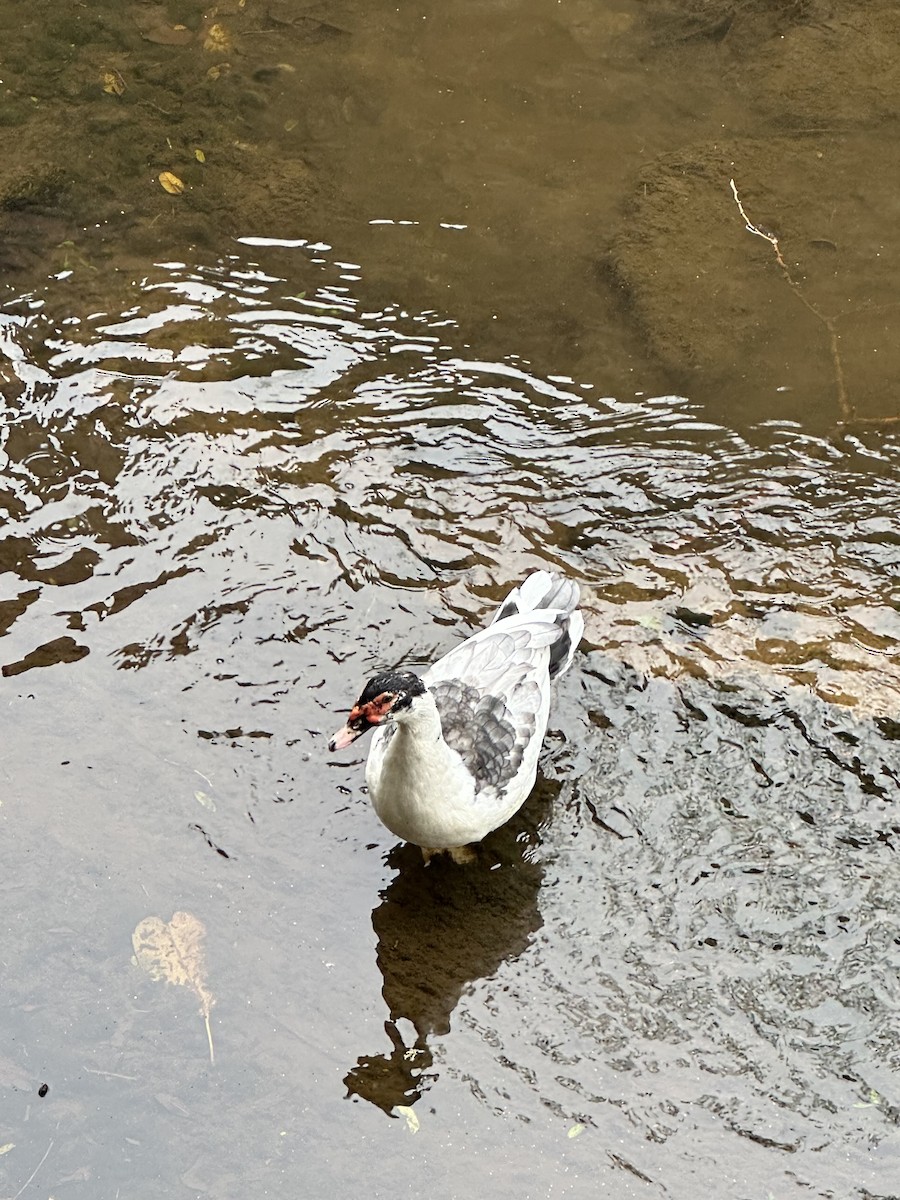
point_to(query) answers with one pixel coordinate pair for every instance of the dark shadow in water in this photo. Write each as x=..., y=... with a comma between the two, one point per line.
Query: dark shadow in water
x=440, y=927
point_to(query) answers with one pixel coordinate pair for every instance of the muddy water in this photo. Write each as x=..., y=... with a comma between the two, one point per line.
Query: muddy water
x=239, y=475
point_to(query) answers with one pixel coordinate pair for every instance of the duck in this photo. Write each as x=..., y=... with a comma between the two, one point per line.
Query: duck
x=454, y=752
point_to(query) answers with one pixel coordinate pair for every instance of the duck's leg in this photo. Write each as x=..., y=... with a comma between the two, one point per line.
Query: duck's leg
x=461, y=855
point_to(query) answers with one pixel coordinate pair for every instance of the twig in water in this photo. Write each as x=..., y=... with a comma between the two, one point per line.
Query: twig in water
x=110, y=1074
x=33, y=1173
x=769, y=237
x=848, y=412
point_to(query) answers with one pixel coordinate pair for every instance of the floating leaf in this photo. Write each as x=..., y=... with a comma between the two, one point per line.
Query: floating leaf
x=173, y=953
x=6, y=1149
x=113, y=83
x=171, y=183
x=575, y=1131
x=412, y=1121
x=199, y=155
x=217, y=40
x=206, y=801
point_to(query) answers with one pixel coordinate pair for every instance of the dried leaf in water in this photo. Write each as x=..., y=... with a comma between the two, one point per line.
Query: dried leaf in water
x=113, y=83
x=199, y=155
x=171, y=183
x=412, y=1121
x=173, y=953
x=217, y=40
x=575, y=1131
x=6, y=1149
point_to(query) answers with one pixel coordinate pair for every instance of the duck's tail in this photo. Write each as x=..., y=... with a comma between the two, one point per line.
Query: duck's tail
x=544, y=590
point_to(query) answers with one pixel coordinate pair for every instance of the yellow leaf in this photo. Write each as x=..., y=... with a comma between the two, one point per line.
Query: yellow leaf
x=290, y=124
x=575, y=1131
x=171, y=183
x=199, y=155
x=173, y=953
x=6, y=1149
x=113, y=83
x=412, y=1121
x=217, y=40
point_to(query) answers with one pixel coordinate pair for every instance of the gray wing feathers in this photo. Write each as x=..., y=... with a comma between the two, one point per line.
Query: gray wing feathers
x=571, y=625
x=492, y=691
x=479, y=727
x=543, y=592
x=540, y=590
x=495, y=658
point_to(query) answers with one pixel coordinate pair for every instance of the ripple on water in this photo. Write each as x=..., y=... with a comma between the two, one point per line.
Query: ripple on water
x=250, y=492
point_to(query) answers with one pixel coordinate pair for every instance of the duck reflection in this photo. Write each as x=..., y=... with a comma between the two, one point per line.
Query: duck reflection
x=440, y=927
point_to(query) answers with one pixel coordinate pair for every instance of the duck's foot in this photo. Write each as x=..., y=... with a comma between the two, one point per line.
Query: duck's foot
x=461, y=855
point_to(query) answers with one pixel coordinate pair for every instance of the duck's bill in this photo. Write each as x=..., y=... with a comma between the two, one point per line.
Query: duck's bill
x=344, y=737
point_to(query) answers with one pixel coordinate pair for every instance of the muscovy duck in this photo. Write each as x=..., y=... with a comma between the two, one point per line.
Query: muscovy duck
x=455, y=753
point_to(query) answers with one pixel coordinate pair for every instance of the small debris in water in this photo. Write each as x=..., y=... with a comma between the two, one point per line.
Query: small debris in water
x=171, y=183
x=412, y=1121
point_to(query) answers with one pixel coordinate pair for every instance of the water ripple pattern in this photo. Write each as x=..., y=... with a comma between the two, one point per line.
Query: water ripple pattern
x=235, y=494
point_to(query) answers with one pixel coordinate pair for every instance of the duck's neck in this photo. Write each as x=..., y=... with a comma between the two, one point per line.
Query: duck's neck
x=421, y=722
x=418, y=747
x=423, y=785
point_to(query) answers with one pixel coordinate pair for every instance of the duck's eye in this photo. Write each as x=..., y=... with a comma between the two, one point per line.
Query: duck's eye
x=373, y=712
x=382, y=705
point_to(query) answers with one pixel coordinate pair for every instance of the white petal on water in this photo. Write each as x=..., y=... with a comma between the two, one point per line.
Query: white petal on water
x=412, y=1121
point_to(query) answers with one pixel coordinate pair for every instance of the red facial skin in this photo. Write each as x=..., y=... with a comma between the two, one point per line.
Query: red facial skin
x=362, y=718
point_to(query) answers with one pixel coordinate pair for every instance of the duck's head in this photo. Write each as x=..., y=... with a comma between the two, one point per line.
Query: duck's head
x=385, y=697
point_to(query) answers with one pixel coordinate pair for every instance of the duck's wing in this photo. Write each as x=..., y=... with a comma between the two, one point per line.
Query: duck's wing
x=493, y=694
x=543, y=591
x=540, y=589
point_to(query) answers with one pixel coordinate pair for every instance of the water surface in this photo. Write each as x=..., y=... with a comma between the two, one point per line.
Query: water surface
x=239, y=479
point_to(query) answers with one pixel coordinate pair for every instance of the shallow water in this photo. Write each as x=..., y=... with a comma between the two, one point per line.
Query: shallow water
x=240, y=481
